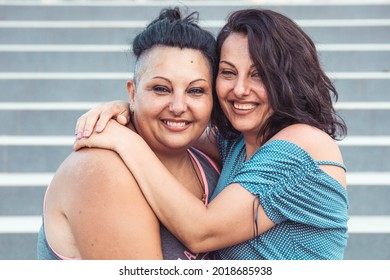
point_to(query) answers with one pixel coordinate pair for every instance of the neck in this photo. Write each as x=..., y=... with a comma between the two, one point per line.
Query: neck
x=185, y=171
x=251, y=145
x=174, y=161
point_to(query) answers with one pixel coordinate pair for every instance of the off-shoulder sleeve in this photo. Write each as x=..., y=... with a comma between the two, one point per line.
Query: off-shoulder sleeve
x=291, y=186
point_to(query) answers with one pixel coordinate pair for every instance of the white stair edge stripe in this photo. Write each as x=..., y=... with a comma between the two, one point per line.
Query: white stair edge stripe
x=64, y=105
x=30, y=24
x=369, y=224
x=55, y=140
x=129, y=75
x=43, y=179
x=353, y=47
x=36, y=140
x=82, y=48
x=20, y=224
x=128, y=48
x=358, y=75
x=25, y=179
x=66, y=76
x=342, y=22
x=39, y=106
x=380, y=105
x=377, y=140
x=368, y=179
x=356, y=224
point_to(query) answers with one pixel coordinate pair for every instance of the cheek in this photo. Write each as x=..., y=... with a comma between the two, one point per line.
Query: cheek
x=222, y=88
x=202, y=110
x=150, y=106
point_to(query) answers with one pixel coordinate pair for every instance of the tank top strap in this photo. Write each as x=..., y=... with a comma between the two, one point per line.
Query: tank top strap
x=199, y=153
x=328, y=162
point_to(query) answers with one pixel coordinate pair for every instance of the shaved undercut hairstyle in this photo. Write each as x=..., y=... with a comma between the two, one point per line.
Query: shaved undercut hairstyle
x=172, y=29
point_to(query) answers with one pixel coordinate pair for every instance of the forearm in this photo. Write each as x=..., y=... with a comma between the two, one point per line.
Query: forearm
x=179, y=210
x=199, y=227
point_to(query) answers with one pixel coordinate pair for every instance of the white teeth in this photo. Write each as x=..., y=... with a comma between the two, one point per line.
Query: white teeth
x=175, y=124
x=244, y=106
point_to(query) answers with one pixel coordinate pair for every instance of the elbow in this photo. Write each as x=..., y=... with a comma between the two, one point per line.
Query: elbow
x=197, y=247
x=199, y=243
x=199, y=236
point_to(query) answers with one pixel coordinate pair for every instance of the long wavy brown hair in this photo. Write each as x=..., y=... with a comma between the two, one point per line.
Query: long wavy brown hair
x=298, y=89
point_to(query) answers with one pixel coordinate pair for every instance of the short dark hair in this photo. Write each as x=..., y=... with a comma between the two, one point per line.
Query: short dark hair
x=171, y=29
x=298, y=89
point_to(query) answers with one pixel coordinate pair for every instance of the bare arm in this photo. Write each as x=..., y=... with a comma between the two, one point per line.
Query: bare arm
x=106, y=212
x=199, y=227
x=97, y=118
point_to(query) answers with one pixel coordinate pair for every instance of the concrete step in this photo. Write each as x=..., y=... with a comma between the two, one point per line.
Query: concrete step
x=368, y=247
x=67, y=62
x=355, y=32
x=341, y=61
x=21, y=201
x=64, y=90
x=48, y=158
x=32, y=159
x=23, y=247
x=18, y=246
x=99, y=90
x=208, y=10
x=60, y=118
x=349, y=34
x=25, y=198
x=362, y=90
x=123, y=61
x=363, y=197
x=376, y=158
x=21, y=244
x=366, y=122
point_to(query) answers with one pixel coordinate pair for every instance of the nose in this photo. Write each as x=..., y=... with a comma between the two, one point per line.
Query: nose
x=178, y=104
x=241, y=87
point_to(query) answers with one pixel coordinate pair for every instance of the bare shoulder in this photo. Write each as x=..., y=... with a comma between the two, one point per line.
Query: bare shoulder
x=95, y=185
x=313, y=140
x=93, y=160
x=90, y=170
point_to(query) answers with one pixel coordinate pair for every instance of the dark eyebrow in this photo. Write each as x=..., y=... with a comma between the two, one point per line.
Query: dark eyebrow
x=226, y=62
x=232, y=65
x=169, y=81
x=166, y=79
x=197, y=80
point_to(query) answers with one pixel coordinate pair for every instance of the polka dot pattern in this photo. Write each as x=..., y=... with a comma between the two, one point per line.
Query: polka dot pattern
x=309, y=207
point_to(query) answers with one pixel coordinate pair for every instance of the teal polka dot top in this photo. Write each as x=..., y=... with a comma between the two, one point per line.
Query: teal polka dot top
x=309, y=207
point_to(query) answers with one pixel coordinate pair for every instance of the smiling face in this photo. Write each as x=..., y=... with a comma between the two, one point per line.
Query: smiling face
x=240, y=90
x=173, y=98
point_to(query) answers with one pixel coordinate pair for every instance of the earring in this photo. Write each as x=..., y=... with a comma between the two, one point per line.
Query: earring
x=132, y=108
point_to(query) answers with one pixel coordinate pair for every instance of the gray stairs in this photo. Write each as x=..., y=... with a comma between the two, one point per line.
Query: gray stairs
x=58, y=60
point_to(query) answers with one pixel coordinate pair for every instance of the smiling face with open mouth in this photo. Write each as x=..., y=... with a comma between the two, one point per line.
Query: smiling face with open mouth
x=241, y=92
x=172, y=98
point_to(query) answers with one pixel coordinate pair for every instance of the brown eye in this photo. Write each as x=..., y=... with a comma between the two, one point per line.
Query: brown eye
x=196, y=91
x=161, y=89
x=227, y=74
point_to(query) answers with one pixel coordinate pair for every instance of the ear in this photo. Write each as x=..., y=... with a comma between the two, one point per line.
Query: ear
x=131, y=90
